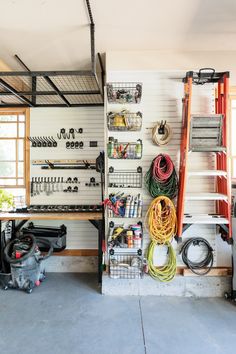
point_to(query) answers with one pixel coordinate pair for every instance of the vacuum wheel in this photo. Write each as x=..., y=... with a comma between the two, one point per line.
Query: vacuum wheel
x=29, y=287
x=227, y=296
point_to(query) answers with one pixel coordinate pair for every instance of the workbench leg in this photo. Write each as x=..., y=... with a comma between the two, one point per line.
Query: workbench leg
x=13, y=229
x=100, y=254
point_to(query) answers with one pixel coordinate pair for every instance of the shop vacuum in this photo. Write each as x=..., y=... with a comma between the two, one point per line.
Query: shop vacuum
x=26, y=262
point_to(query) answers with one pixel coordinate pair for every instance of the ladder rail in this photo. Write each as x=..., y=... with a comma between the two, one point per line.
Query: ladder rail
x=223, y=185
x=184, y=152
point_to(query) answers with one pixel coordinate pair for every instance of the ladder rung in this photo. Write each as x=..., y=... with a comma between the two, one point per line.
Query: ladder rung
x=208, y=173
x=204, y=219
x=208, y=149
x=206, y=196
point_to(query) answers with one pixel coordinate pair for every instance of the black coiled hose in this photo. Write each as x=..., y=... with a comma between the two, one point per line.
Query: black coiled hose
x=204, y=266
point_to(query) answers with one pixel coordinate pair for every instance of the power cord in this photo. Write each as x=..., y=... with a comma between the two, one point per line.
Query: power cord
x=167, y=272
x=203, y=266
x=161, y=178
x=160, y=220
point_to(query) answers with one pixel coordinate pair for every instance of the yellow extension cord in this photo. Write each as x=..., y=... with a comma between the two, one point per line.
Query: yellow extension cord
x=160, y=221
x=167, y=272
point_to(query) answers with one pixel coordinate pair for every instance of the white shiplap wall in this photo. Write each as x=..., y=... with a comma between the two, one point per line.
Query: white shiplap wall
x=162, y=99
x=49, y=121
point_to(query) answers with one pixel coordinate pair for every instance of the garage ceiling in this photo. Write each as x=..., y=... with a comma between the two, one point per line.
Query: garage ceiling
x=54, y=34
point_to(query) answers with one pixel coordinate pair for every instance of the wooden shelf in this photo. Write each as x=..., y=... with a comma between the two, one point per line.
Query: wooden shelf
x=76, y=253
x=51, y=216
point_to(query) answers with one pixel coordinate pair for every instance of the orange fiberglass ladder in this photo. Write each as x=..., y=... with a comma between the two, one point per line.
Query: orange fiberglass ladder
x=206, y=133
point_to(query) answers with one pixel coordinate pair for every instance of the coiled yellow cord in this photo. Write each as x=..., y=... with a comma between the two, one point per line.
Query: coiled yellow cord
x=167, y=272
x=160, y=220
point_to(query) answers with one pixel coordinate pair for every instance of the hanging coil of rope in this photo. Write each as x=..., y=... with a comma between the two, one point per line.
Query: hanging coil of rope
x=160, y=220
x=203, y=266
x=166, y=272
x=161, y=133
x=161, y=178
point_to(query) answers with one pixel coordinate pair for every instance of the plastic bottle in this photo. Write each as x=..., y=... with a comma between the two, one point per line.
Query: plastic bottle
x=138, y=149
x=110, y=147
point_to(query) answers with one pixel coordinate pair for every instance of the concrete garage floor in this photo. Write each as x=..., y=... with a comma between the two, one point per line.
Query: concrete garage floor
x=67, y=315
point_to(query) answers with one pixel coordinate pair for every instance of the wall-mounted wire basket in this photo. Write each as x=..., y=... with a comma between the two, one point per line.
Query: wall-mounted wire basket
x=125, y=178
x=124, y=206
x=126, y=265
x=124, y=121
x=124, y=92
x=124, y=150
x=125, y=237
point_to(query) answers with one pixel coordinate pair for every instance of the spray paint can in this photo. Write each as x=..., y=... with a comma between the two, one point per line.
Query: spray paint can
x=140, y=206
x=131, y=212
x=127, y=206
x=135, y=213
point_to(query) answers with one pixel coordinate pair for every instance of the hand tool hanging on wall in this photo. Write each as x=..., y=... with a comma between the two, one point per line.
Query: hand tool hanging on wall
x=42, y=141
x=161, y=178
x=49, y=185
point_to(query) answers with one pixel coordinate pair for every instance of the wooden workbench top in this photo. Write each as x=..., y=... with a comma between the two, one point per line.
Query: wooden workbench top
x=51, y=216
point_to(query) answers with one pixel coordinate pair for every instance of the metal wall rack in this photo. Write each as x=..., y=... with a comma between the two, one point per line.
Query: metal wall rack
x=120, y=240
x=124, y=121
x=126, y=265
x=124, y=150
x=124, y=92
x=54, y=88
x=125, y=178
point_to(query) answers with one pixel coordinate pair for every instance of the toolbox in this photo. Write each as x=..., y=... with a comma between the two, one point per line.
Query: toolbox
x=55, y=235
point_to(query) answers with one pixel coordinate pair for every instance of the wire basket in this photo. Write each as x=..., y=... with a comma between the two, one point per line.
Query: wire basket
x=124, y=92
x=124, y=121
x=124, y=150
x=125, y=179
x=124, y=206
x=126, y=265
x=125, y=237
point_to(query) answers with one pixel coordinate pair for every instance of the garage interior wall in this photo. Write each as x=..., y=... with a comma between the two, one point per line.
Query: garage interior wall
x=162, y=100
x=80, y=234
x=122, y=66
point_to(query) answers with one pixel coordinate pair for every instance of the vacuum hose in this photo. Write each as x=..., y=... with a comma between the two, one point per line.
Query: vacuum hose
x=30, y=252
